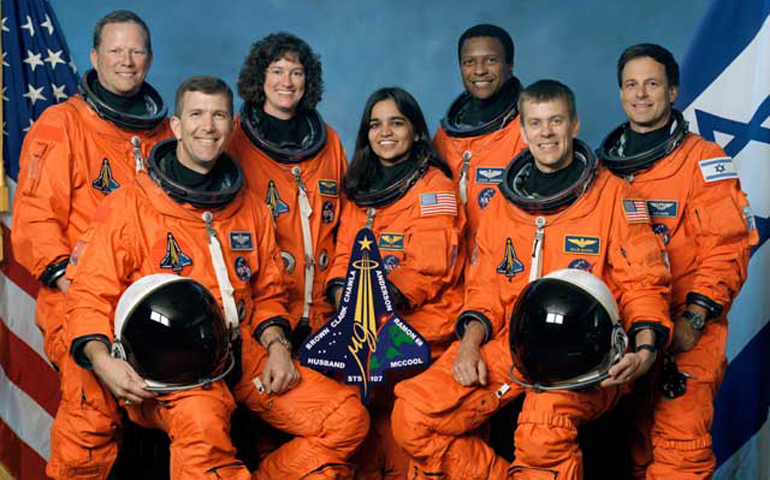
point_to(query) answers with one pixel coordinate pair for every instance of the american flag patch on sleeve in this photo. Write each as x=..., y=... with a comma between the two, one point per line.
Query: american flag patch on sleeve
x=438, y=203
x=636, y=210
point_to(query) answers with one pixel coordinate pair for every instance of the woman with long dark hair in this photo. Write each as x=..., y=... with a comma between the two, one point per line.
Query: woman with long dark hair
x=401, y=188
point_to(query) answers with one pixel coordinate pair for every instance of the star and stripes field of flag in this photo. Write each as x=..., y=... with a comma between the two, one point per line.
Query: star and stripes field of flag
x=37, y=72
x=437, y=203
x=636, y=210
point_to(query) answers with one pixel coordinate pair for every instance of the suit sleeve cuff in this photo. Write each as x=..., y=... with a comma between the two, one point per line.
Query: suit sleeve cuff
x=661, y=334
x=331, y=288
x=53, y=271
x=399, y=299
x=78, y=346
x=469, y=316
x=714, y=309
x=270, y=322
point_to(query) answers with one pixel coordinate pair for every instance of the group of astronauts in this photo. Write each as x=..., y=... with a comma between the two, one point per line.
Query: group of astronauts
x=111, y=190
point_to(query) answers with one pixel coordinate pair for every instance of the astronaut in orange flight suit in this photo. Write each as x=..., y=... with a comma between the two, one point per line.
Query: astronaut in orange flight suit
x=421, y=253
x=76, y=154
x=588, y=220
x=399, y=187
x=163, y=223
x=295, y=163
x=481, y=133
x=703, y=217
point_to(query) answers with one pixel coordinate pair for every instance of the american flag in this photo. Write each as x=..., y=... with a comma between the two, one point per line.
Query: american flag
x=37, y=72
x=438, y=203
x=636, y=210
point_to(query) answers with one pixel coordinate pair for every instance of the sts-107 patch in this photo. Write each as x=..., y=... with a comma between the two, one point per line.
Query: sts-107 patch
x=366, y=336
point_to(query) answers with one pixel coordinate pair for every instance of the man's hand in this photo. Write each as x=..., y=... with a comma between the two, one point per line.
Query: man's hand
x=633, y=365
x=469, y=368
x=630, y=367
x=116, y=374
x=685, y=336
x=280, y=375
x=63, y=284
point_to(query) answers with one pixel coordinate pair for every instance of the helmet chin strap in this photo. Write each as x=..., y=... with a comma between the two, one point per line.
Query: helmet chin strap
x=220, y=269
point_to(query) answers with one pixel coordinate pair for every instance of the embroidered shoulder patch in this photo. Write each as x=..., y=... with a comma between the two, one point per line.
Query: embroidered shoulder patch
x=636, y=210
x=328, y=188
x=105, y=182
x=438, y=203
x=663, y=208
x=510, y=265
x=716, y=169
x=242, y=268
x=582, y=245
x=273, y=200
x=489, y=175
x=241, y=241
x=175, y=259
x=391, y=241
x=485, y=196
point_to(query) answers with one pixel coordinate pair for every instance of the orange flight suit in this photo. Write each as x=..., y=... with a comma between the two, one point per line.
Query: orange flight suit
x=277, y=185
x=70, y=161
x=424, y=255
x=705, y=225
x=435, y=417
x=489, y=155
x=141, y=231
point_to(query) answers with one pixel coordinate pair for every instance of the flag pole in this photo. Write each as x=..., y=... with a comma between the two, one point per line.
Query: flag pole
x=4, y=195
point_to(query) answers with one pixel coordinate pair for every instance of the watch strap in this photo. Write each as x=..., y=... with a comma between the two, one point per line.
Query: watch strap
x=697, y=320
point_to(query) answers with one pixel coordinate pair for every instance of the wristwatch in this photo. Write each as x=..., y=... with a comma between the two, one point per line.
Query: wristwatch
x=696, y=320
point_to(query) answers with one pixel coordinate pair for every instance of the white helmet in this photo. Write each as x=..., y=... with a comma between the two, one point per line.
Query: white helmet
x=565, y=332
x=172, y=332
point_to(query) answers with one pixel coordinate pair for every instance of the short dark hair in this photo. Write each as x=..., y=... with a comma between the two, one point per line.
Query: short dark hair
x=487, y=30
x=362, y=168
x=251, y=79
x=203, y=84
x=655, y=52
x=546, y=91
x=121, y=16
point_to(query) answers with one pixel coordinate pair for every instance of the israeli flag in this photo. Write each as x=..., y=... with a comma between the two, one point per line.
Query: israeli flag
x=725, y=95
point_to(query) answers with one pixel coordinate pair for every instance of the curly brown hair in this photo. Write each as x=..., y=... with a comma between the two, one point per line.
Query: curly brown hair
x=251, y=79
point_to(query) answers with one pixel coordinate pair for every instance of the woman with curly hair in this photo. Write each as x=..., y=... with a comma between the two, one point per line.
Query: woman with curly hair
x=296, y=163
x=400, y=187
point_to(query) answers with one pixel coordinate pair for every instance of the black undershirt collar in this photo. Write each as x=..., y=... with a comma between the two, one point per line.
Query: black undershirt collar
x=387, y=176
x=213, y=181
x=133, y=105
x=540, y=184
x=636, y=143
x=479, y=112
x=283, y=133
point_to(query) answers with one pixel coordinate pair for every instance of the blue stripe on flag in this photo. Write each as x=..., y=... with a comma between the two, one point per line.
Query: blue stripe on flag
x=709, y=56
x=743, y=401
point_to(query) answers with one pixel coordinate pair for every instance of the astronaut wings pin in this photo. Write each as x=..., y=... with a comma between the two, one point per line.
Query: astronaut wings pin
x=366, y=336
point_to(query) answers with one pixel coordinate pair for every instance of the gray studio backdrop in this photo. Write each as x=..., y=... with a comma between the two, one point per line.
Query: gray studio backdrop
x=365, y=44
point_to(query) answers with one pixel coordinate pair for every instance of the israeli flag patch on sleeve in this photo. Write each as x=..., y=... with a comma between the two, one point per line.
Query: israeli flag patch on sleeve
x=715, y=169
